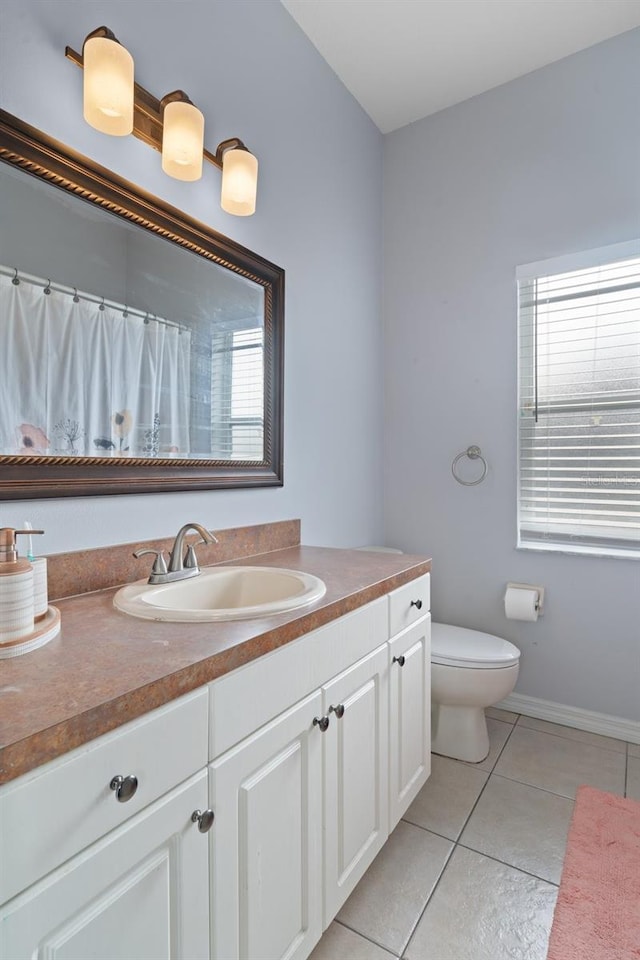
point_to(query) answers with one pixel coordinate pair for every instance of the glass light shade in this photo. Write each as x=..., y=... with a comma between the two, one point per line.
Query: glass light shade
x=182, y=140
x=239, y=182
x=108, y=86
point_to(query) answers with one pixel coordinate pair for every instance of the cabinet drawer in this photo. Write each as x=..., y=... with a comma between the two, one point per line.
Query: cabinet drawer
x=51, y=814
x=409, y=603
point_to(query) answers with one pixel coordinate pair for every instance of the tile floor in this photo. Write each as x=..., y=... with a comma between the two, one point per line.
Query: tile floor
x=471, y=872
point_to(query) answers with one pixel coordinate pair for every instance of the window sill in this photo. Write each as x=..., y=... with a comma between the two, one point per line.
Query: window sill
x=573, y=550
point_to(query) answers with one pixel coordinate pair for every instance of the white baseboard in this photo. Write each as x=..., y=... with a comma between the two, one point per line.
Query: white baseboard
x=602, y=723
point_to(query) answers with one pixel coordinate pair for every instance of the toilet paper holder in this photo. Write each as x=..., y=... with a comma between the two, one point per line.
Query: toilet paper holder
x=531, y=586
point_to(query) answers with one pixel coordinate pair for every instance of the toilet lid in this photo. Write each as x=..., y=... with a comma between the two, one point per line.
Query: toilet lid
x=459, y=647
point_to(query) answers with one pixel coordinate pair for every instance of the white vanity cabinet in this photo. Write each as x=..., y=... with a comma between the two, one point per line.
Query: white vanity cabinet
x=307, y=756
x=305, y=801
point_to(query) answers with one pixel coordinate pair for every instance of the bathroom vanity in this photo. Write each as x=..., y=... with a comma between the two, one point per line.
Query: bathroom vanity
x=262, y=770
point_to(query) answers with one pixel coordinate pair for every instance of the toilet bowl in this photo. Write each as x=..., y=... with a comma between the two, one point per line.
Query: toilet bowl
x=469, y=671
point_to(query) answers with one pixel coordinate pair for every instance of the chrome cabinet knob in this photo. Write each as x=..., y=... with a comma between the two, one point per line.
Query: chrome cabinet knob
x=125, y=787
x=322, y=722
x=204, y=819
x=417, y=604
x=399, y=660
x=339, y=710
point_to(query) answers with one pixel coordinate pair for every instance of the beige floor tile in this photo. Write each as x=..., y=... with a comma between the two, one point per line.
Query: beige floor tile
x=633, y=778
x=583, y=736
x=484, y=910
x=387, y=902
x=497, y=714
x=559, y=765
x=634, y=749
x=522, y=826
x=447, y=798
x=498, y=733
x=339, y=943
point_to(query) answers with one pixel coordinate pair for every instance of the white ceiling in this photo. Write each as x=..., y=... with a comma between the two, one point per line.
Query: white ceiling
x=405, y=59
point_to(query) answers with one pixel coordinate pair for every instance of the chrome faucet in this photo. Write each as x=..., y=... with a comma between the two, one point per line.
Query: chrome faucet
x=182, y=564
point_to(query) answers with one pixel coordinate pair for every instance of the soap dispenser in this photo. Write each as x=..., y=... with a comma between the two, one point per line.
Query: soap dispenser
x=16, y=588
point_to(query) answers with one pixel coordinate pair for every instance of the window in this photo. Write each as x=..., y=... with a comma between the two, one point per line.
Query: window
x=579, y=402
x=237, y=393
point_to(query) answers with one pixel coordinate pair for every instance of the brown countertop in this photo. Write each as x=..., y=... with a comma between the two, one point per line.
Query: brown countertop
x=106, y=667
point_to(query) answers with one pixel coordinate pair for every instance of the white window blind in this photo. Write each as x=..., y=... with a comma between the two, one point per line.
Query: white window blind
x=579, y=424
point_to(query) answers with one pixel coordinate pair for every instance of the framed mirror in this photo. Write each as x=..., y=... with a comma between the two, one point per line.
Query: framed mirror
x=140, y=351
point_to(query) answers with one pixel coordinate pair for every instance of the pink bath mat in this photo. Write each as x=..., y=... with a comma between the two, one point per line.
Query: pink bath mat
x=597, y=916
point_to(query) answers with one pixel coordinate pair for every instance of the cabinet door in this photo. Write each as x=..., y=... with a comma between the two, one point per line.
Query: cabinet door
x=140, y=892
x=409, y=716
x=356, y=775
x=266, y=792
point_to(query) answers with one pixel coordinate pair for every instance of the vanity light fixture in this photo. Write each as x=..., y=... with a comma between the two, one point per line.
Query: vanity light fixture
x=115, y=104
x=108, y=83
x=182, y=137
x=239, y=178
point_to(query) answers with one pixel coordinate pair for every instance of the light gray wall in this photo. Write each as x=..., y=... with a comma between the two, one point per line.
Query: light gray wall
x=254, y=74
x=546, y=165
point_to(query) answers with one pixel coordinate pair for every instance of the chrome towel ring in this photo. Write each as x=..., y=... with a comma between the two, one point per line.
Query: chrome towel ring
x=473, y=453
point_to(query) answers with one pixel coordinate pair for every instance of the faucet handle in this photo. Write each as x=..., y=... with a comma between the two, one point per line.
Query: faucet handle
x=190, y=560
x=159, y=564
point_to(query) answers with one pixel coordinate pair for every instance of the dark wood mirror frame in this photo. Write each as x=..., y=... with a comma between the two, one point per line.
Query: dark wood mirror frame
x=29, y=477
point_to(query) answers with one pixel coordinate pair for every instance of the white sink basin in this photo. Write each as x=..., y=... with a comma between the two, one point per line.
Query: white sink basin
x=221, y=593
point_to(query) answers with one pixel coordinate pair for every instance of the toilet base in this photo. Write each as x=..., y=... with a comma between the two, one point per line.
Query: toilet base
x=459, y=732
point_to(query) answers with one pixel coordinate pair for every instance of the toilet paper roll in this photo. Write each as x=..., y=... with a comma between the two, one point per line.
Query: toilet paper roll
x=521, y=604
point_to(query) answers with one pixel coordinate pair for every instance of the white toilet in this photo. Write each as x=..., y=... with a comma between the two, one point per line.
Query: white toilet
x=469, y=671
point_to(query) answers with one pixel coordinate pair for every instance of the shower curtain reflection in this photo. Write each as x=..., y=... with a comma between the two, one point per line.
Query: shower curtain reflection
x=80, y=378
